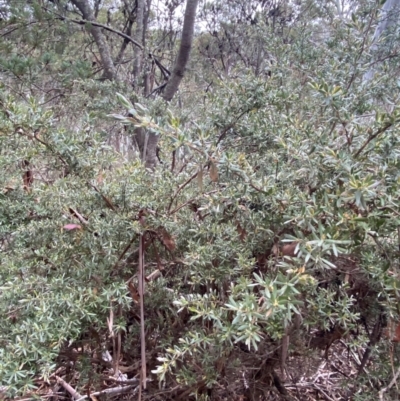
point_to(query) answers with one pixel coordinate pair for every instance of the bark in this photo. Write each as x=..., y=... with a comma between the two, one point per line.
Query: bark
x=127, y=29
x=146, y=20
x=125, y=43
x=139, y=33
x=148, y=141
x=147, y=72
x=144, y=138
x=105, y=55
x=390, y=15
x=184, y=51
x=147, y=144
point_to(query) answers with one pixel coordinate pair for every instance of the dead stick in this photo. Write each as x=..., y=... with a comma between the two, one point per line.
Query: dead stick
x=141, y=292
x=109, y=391
x=75, y=395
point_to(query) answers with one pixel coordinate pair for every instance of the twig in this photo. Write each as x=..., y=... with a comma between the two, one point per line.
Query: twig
x=141, y=300
x=23, y=26
x=365, y=36
x=158, y=89
x=154, y=275
x=373, y=136
x=47, y=145
x=180, y=189
x=146, y=140
x=374, y=338
x=166, y=73
x=133, y=381
x=74, y=394
x=249, y=183
x=231, y=125
x=118, y=348
x=109, y=391
x=398, y=236
x=190, y=201
x=52, y=98
x=173, y=161
x=390, y=384
x=106, y=200
x=76, y=214
x=124, y=252
x=323, y=392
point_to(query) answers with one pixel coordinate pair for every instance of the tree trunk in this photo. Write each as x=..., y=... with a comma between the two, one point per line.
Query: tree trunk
x=138, y=53
x=147, y=72
x=148, y=141
x=106, y=59
x=128, y=30
x=184, y=51
x=390, y=15
x=147, y=144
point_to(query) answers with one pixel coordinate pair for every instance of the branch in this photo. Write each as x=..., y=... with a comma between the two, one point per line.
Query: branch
x=373, y=136
x=106, y=200
x=166, y=73
x=109, y=391
x=390, y=385
x=94, y=23
x=142, y=328
x=124, y=252
x=180, y=189
x=191, y=201
x=158, y=89
x=36, y=137
x=231, y=125
x=74, y=394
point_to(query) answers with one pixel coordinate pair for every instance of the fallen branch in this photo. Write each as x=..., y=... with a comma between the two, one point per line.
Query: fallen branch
x=390, y=384
x=141, y=275
x=110, y=391
x=74, y=394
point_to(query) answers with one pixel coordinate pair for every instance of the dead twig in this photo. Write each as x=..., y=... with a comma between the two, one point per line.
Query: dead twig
x=381, y=392
x=74, y=394
x=110, y=391
x=142, y=331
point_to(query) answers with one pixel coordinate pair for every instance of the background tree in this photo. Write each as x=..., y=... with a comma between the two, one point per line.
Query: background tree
x=389, y=18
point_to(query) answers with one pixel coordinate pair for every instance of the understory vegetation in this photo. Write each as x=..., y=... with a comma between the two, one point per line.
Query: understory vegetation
x=239, y=241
